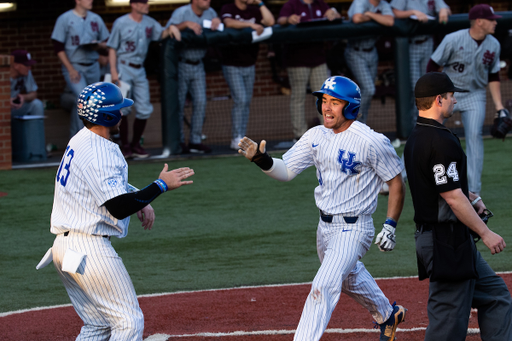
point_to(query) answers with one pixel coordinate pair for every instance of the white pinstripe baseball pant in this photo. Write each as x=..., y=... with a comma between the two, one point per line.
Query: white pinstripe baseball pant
x=340, y=246
x=419, y=55
x=101, y=291
x=299, y=78
x=472, y=111
x=192, y=78
x=364, y=68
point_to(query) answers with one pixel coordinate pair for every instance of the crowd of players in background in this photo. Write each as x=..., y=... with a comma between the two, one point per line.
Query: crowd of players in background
x=88, y=52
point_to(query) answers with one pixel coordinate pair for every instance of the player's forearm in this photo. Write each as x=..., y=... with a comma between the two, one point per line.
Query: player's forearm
x=233, y=23
x=359, y=18
x=267, y=17
x=30, y=96
x=386, y=20
x=396, y=197
x=65, y=61
x=402, y=14
x=495, y=90
x=183, y=25
x=127, y=204
x=112, y=59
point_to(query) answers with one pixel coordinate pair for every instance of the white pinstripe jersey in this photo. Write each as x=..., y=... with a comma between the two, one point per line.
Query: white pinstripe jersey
x=360, y=7
x=92, y=171
x=351, y=167
x=467, y=64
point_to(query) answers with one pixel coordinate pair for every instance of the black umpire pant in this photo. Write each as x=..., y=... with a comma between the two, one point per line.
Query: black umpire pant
x=450, y=303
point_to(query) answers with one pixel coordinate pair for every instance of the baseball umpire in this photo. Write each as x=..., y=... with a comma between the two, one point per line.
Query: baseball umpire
x=92, y=203
x=352, y=163
x=470, y=57
x=445, y=213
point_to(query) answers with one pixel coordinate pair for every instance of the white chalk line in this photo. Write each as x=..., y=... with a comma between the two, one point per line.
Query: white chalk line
x=209, y=290
x=165, y=337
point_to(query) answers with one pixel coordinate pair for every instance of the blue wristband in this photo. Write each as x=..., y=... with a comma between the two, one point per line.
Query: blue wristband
x=162, y=185
x=261, y=4
x=390, y=221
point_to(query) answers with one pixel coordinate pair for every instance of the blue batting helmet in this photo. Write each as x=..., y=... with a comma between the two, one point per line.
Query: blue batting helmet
x=100, y=103
x=342, y=88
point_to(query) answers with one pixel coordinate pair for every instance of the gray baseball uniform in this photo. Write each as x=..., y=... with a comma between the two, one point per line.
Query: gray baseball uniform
x=77, y=34
x=24, y=85
x=93, y=171
x=351, y=168
x=191, y=74
x=130, y=40
x=361, y=55
x=468, y=64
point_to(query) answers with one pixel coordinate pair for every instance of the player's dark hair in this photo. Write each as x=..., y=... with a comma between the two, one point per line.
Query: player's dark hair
x=87, y=124
x=425, y=103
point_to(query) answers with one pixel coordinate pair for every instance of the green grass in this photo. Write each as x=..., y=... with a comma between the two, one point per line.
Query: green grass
x=234, y=226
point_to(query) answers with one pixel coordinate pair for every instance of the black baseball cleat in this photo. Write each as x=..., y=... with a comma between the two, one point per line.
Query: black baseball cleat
x=199, y=148
x=388, y=328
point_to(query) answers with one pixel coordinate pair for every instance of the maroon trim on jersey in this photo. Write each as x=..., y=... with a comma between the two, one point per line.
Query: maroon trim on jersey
x=433, y=66
x=57, y=46
x=494, y=77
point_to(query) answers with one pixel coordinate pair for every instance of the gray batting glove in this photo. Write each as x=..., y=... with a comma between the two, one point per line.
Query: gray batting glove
x=386, y=238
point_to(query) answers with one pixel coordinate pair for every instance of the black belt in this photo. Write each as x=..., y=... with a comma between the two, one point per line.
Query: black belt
x=418, y=42
x=86, y=64
x=135, y=66
x=423, y=227
x=328, y=218
x=189, y=61
x=67, y=232
x=364, y=50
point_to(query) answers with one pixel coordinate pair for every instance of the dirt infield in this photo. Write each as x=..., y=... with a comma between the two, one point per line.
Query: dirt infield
x=268, y=313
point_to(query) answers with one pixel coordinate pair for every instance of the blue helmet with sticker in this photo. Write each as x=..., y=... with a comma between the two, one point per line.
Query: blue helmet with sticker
x=100, y=103
x=342, y=88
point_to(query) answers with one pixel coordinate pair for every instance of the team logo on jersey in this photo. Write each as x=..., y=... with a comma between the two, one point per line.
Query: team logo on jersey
x=149, y=31
x=348, y=165
x=488, y=57
x=94, y=26
x=112, y=182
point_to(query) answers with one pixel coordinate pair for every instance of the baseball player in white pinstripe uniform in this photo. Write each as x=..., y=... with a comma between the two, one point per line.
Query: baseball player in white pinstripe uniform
x=77, y=36
x=470, y=57
x=352, y=163
x=361, y=55
x=421, y=46
x=93, y=202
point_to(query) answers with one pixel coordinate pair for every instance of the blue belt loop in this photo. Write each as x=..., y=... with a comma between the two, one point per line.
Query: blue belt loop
x=327, y=218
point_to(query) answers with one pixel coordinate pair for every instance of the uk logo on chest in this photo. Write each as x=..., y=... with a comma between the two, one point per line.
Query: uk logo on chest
x=348, y=164
x=488, y=57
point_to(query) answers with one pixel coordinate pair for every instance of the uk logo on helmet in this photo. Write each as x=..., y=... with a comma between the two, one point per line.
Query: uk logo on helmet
x=330, y=83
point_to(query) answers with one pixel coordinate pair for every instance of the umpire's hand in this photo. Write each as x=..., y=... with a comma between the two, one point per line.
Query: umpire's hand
x=249, y=148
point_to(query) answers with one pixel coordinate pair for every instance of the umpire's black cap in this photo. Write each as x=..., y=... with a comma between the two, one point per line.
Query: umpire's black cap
x=433, y=84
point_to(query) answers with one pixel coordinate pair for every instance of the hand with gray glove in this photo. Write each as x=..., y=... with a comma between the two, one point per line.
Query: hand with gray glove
x=386, y=238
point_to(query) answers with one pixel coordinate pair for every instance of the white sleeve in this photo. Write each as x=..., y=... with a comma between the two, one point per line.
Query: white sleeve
x=279, y=171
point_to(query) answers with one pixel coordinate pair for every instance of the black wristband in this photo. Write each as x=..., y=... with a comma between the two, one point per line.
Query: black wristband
x=263, y=160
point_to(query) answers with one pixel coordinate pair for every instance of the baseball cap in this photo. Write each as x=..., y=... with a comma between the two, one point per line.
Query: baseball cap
x=433, y=84
x=482, y=11
x=23, y=57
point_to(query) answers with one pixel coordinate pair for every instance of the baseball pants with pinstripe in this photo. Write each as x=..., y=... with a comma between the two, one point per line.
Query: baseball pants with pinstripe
x=340, y=246
x=192, y=78
x=419, y=55
x=364, y=68
x=101, y=291
x=299, y=78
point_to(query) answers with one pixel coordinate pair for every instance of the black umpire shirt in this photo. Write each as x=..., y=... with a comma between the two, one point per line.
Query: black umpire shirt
x=435, y=163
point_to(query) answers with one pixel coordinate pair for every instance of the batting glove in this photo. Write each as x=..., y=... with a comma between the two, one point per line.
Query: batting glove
x=386, y=238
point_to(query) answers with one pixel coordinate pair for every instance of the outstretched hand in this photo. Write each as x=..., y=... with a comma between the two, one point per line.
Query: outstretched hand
x=249, y=148
x=175, y=177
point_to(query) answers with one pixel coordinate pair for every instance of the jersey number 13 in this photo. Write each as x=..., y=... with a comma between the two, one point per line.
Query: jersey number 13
x=65, y=163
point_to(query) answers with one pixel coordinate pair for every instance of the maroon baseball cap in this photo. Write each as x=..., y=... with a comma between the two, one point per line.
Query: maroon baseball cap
x=23, y=57
x=482, y=11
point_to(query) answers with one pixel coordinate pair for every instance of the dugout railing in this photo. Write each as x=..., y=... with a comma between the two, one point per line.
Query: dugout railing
x=269, y=116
